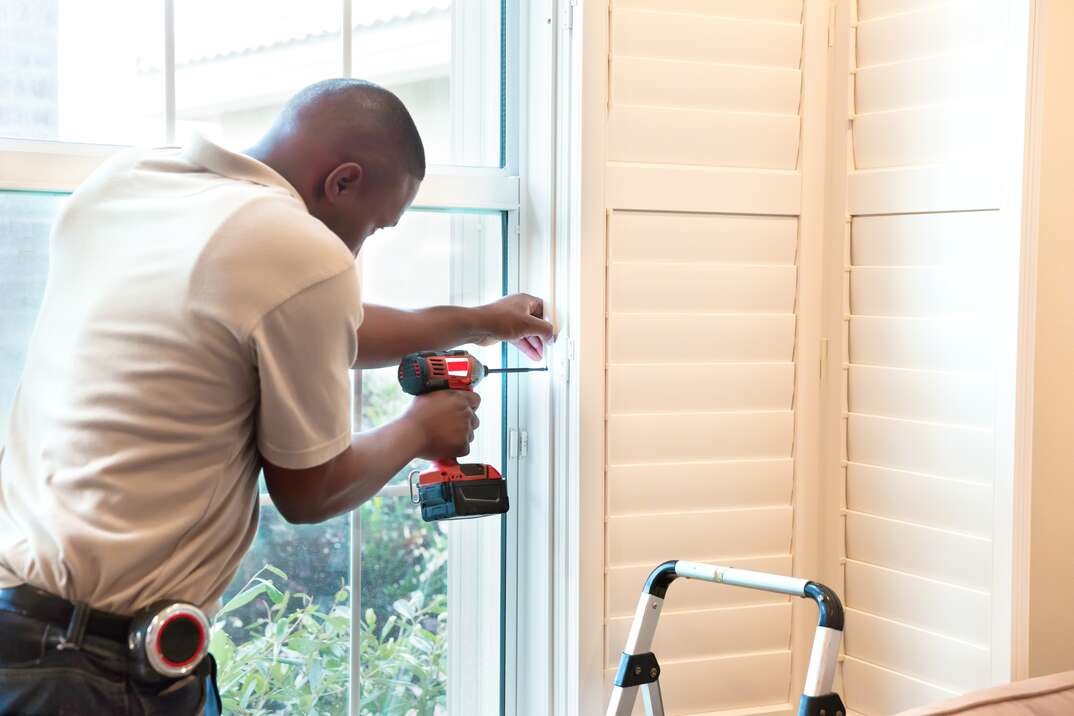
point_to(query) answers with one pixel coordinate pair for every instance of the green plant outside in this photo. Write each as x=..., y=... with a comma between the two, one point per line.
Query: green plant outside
x=295, y=659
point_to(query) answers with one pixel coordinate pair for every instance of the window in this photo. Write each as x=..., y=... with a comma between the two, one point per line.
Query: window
x=447, y=574
x=25, y=220
x=375, y=612
x=55, y=54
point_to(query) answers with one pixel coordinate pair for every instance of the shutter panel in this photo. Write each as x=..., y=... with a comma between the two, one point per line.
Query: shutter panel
x=919, y=461
x=704, y=194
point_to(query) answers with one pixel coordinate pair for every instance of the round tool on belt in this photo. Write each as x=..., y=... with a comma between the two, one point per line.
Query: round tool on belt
x=168, y=640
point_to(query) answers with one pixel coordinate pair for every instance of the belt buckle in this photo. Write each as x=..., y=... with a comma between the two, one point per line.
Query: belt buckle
x=76, y=628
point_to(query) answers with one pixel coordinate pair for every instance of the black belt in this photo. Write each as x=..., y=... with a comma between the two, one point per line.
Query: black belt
x=42, y=606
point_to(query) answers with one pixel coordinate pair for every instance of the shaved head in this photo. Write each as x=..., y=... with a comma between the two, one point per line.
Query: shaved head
x=357, y=116
x=351, y=150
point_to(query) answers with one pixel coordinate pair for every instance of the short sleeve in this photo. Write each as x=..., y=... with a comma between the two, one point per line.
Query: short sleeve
x=304, y=350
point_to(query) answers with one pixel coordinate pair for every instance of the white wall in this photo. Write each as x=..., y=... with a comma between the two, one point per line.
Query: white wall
x=1052, y=564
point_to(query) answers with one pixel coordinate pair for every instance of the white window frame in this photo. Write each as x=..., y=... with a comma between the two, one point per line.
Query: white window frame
x=536, y=616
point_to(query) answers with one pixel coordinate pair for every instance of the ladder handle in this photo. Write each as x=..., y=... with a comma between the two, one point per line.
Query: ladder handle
x=829, y=608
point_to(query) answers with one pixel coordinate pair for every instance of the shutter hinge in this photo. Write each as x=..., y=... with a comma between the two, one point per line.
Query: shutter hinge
x=568, y=15
x=518, y=443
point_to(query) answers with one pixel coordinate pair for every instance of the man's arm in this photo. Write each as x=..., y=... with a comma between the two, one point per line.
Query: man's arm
x=388, y=334
x=440, y=424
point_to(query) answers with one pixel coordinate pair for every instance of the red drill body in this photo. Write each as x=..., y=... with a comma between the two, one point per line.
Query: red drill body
x=449, y=490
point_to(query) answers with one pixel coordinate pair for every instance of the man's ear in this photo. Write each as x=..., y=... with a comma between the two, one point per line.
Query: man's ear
x=344, y=180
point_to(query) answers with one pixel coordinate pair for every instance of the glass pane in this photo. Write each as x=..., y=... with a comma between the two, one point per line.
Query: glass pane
x=287, y=649
x=412, y=571
x=237, y=62
x=25, y=222
x=443, y=59
x=82, y=71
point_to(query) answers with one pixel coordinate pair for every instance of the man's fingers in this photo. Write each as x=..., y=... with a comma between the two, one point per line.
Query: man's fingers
x=527, y=349
x=536, y=307
x=472, y=398
x=540, y=327
x=537, y=345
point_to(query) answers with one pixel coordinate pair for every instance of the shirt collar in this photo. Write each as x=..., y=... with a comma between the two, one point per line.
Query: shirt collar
x=218, y=160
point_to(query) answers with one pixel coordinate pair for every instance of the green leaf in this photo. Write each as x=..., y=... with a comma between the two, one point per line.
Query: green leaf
x=273, y=593
x=277, y=571
x=316, y=673
x=304, y=645
x=221, y=646
x=242, y=599
x=251, y=686
x=341, y=596
x=404, y=607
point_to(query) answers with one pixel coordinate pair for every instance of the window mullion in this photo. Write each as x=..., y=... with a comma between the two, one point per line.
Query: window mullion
x=460, y=188
x=354, y=691
x=169, y=71
x=354, y=687
x=346, y=32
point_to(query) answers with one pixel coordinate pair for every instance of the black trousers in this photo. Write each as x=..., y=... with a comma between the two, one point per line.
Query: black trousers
x=37, y=678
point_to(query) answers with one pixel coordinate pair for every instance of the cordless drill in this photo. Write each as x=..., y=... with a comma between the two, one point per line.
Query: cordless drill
x=450, y=491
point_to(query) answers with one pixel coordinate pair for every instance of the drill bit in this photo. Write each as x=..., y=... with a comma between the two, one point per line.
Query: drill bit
x=515, y=370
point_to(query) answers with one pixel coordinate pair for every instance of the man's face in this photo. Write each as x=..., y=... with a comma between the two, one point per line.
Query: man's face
x=378, y=208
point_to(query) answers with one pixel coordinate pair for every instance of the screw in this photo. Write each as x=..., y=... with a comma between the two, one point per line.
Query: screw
x=653, y=672
x=637, y=670
x=654, y=605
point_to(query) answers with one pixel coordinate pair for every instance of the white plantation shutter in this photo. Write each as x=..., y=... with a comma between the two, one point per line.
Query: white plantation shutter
x=924, y=201
x=703, y=192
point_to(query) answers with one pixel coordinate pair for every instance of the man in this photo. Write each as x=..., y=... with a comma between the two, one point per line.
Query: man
x=201, y=315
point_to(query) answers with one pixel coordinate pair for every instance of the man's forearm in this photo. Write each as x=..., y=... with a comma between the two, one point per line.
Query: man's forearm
x=350, y=479
x=388, y=334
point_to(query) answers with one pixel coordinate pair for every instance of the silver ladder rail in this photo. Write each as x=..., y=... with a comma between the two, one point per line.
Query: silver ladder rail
x=639, y=669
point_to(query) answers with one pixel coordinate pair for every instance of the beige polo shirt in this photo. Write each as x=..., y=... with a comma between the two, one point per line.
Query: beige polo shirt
x=195, y=316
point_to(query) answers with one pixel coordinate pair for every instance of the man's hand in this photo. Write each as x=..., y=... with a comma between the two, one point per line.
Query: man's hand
x=446, y=421
x=437, y=425
x=519, y=319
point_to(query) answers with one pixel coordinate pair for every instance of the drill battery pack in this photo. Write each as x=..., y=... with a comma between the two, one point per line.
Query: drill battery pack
x=461, y=500
x=473, y=490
